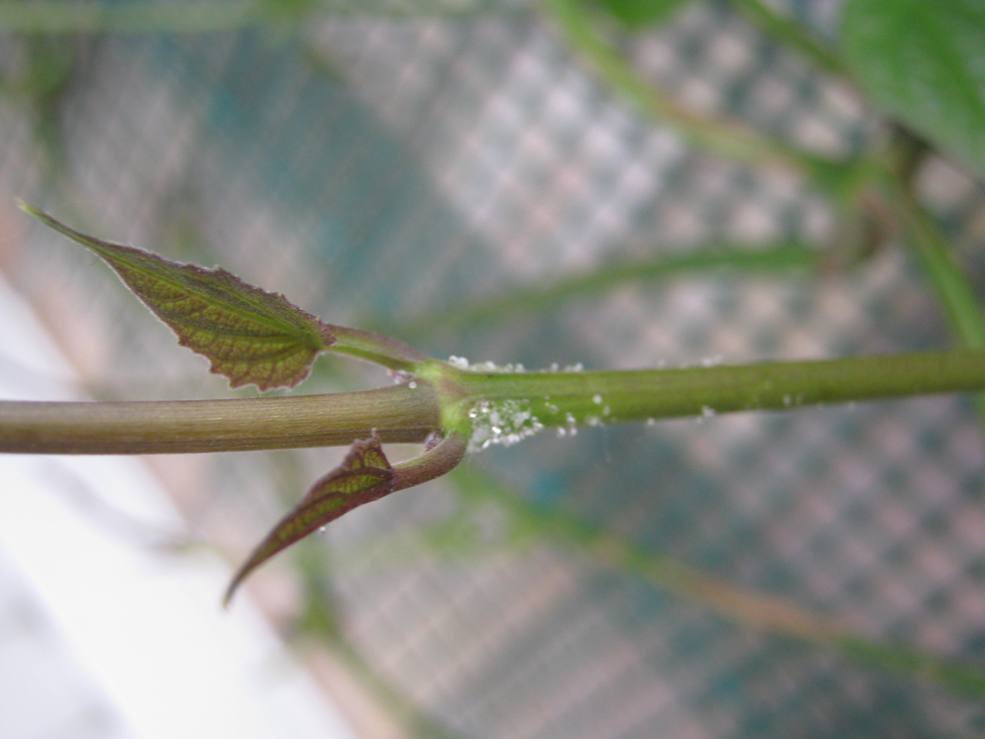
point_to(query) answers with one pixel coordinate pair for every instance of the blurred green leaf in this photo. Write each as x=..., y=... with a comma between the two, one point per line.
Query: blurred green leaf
x=248, y=334
x=640, y=13
x=923, y=61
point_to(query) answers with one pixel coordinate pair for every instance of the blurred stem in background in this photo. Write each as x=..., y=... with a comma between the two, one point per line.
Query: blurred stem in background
x=320, y=620
x=67, y=16
x=717, y=136
x=527, y=524
x=955, y=294
x=41, y=86
x=765, y=613
x=792, y=34
x=732, y=259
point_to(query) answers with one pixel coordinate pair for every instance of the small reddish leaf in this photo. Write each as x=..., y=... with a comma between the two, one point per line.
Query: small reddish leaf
x=249, y=335
x=365, y=475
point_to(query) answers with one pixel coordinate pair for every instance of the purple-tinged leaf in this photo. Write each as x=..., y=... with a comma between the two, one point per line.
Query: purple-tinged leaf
x=249, y=335
x=365, y=475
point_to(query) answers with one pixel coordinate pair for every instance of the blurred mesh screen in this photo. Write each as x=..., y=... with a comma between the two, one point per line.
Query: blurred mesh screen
x=382, y=170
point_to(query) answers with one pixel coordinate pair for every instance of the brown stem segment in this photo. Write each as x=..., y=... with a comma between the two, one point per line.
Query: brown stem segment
x=397, y=414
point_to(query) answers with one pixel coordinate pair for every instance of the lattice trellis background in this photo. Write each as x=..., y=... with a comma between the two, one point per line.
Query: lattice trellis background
x=379, y=170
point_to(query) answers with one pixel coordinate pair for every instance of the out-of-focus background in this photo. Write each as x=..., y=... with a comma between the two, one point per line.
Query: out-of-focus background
x=391, y=165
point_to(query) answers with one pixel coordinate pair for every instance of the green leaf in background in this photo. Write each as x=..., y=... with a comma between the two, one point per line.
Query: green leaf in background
x=923, y=61
x=249, y=335
x=364, y=476
x=640, y=13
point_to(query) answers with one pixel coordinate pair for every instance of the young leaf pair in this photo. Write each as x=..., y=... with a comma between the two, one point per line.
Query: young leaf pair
x=252, y=336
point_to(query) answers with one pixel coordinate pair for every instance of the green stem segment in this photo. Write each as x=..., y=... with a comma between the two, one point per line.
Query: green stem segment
x=636, y=395
x=765, y=612
x=409, y=413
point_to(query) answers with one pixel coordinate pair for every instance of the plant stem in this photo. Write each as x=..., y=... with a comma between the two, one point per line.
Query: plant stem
x=723, y=137
x=398, y=414
x=406, y=414
x=794, y=35
x=635, y=395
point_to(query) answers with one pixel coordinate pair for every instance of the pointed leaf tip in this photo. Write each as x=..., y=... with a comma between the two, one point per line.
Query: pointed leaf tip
x=364, y=476
x=249, y=335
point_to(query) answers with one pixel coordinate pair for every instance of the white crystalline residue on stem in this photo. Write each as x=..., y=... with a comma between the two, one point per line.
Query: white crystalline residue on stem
x=515, y=367
x=400, y=377
x=504, y=422
x=490, y=367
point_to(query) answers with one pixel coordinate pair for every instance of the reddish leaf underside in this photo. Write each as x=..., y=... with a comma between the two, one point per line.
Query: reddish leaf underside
x=249, y=335
x=364, y=476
